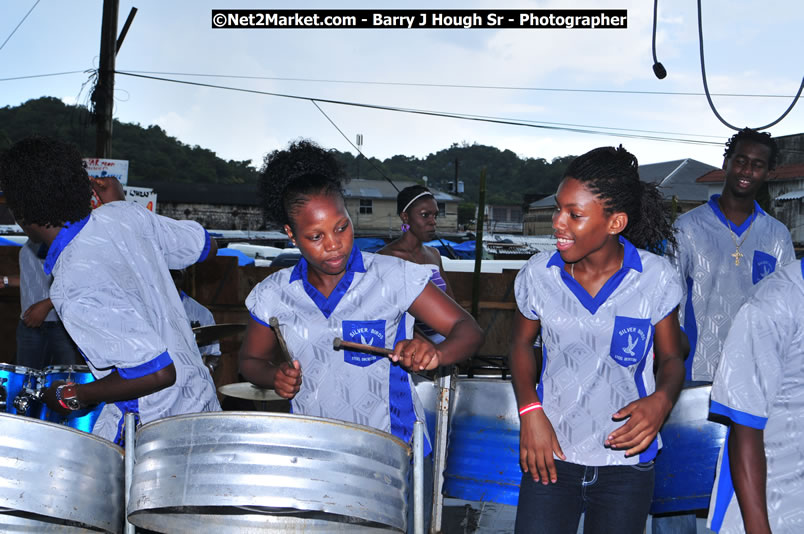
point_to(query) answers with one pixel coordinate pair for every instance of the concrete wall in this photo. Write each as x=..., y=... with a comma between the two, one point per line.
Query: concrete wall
x=215, y=216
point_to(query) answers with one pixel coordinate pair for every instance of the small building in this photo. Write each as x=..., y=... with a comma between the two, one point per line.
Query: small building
x=214, y=206
x=786, y=192
x=372, y=206
x=503, y=218
x=677, y=181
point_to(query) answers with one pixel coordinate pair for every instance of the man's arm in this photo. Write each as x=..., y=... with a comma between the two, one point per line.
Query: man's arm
x=749, y=473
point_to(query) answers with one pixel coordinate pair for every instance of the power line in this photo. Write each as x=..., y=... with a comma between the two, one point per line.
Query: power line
x=41, y=75
x=510, y=122
x=19, y=24
x=457, y=86
x=376, y=168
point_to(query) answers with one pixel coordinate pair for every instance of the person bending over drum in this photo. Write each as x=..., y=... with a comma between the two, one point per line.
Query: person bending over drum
x=112, y=289
x=605, y=310
x=337, y=291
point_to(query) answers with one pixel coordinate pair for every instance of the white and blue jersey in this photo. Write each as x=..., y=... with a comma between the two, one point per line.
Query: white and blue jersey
x=759, y=383
x=714, y=287
x=199, y=315
x=597, y=351
x=34, y=283
x=367, y=306
x=114, y=294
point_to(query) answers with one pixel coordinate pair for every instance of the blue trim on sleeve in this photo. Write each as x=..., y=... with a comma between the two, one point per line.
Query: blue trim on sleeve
x=724, y=490
x=540, y=385
x=63, y=238
x=207, y=246
x=147, y=368
x=129, y=406
x=631, y=260
x=690, y=328
x=653, y=449
x=400, y=399
x=741, y=418
x=801, y=263
x=263, y=323
x=733, y=227
x=327, y=305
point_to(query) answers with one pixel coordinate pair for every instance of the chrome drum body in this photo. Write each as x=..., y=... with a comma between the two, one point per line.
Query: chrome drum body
x=56, y=478
x=252, y=472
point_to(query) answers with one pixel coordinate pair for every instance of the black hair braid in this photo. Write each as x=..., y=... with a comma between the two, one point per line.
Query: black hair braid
x=44, y=182
x=612, y=174
x=289, y=178
x=762, y=138
x=408, y=194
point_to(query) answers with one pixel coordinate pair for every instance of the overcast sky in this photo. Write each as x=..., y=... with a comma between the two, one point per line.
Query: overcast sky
x=751, y=48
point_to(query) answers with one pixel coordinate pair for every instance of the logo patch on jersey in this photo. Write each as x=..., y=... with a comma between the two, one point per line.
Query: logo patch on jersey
x=629, y=342
x=764, y=264
x=365, y=332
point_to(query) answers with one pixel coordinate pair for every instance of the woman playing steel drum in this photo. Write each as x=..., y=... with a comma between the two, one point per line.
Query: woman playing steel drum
x=338, y=291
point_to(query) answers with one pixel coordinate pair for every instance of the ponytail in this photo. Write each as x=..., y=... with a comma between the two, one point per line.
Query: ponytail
x=612, y=174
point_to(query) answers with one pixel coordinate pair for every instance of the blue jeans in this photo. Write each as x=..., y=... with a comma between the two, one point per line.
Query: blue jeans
x=613, y=498
x=46, y=345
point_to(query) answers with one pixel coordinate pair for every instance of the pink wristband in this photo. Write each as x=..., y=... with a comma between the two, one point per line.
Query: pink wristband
x=529, y=408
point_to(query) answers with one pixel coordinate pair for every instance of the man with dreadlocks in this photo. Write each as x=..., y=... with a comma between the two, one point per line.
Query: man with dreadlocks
x=725, y=247
x=112, y=289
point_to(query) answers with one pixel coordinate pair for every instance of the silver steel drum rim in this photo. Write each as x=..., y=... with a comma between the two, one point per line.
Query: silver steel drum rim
x=261, y=415
x=78, y=487
x=33, y=420
x=220, y=469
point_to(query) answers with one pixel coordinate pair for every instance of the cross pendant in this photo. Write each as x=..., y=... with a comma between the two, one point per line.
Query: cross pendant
x=737, y=255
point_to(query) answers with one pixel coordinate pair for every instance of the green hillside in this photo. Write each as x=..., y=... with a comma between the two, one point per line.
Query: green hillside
x=154, y=156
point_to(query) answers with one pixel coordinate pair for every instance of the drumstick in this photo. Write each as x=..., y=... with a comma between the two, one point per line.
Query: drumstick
x=283, y=348
x=338, y=344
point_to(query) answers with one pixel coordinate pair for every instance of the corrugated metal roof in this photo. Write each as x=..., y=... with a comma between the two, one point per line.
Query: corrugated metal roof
x=792, y=195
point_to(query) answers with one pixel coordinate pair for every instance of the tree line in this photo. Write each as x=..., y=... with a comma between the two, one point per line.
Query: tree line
x=155, y=156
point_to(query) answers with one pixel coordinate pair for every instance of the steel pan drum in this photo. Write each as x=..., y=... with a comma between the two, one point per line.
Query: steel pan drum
x=483, y=452
x=55, y=478
x=14, y=381
x=83, y=419
x=685, y=466
x=246, y=472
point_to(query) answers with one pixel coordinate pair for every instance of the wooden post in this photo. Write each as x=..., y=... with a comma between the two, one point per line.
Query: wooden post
x=481, y=207
x=104, y=90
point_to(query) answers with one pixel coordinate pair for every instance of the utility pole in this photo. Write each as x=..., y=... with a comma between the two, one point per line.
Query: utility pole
x=481, y=208
x=104, y=90
x=455, y=189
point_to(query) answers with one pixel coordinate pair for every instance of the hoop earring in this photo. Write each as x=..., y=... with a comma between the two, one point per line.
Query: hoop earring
x=405, y=227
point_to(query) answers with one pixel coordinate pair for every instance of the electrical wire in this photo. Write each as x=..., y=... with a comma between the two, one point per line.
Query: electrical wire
x=584, y=130
x=41, y=75
x=454, y=86
x=355, y=147
x=19, y=24
x=706, y=86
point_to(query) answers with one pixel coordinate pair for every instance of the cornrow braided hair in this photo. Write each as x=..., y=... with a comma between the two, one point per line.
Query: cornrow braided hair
x=44, y=182
x=289, y=178
x=762, y=138
x=612, y=174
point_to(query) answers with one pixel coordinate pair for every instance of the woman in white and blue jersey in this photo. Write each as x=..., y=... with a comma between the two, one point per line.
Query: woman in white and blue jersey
x=606, y=309
x=338, y=291
x=418, y=210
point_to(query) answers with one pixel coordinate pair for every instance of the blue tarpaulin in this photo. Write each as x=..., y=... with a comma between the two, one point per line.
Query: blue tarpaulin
x=8, y=243
x=242, y=259
x=464, y=251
